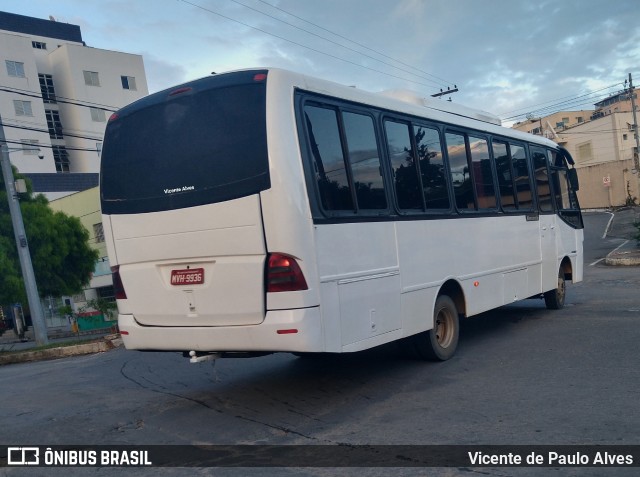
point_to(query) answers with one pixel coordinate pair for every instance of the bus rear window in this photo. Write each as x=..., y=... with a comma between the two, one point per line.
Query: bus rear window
x=200, y=143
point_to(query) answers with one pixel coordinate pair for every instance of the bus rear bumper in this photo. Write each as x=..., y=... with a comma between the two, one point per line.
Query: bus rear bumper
x=282, y=330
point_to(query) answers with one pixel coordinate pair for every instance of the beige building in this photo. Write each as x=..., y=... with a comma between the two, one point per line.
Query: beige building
x=602, y=143
x=86, y=206
x=549, y=126
x=604, y=153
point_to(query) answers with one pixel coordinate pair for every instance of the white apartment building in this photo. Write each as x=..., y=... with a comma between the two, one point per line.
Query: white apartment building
x=56, y=95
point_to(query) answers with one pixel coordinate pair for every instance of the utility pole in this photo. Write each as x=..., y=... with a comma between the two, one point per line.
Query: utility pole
x=37, y=316
x=448, y=91
x=636, y=161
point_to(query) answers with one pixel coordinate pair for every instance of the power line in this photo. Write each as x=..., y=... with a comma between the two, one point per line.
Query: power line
x=32, y=146
x=529, y=108
x=446, y=82
x=32, y=94
x=300, y=44
x=439, y=83
x=556, y=104
x=47, y=132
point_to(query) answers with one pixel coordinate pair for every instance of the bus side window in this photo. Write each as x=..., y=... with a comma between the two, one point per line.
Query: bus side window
x=564, y=195
x=541, y=179
x=521, y=172
x=403, y=164
x=482, y=173
x=460, y=173
x=561, y=187
x=331, y=171
x=431, y=162
x=364, y=160
x=505, y=176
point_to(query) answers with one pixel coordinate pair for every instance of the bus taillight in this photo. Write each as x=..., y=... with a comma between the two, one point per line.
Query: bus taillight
x=284, y=274
x=118, y=288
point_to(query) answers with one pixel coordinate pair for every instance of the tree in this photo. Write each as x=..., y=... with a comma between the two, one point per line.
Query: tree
x=62, y=258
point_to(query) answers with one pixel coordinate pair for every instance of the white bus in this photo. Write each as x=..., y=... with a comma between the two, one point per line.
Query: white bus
x=264, y=211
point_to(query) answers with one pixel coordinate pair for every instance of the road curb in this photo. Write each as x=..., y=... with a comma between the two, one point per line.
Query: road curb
x=61, y=352
x=624, y=258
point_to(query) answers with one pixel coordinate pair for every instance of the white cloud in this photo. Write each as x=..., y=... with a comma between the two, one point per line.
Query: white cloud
x=502, y=54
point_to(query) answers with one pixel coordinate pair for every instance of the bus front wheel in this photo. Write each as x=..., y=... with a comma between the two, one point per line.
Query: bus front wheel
x=440, y=342
x=554, y=299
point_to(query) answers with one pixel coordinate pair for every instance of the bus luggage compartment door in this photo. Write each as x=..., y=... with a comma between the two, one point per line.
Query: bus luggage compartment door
x=202, y=266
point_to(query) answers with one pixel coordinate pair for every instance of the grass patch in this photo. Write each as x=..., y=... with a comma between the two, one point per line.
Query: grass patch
x=62, y=344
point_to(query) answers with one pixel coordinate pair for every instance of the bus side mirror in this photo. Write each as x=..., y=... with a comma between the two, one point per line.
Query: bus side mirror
x=573, y=179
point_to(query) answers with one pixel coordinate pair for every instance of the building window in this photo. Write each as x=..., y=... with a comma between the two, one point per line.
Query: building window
x=46, y=88
x=39, y=45
x=585, y=152
x=91, y=78
x=106, y=293
x=98, y=232
x=624, y=137
x=54, y=124
x=23, y=108
x=30, y=147
x=61, y=158
x=98, y=115
x=128, y=82
x=15, y=68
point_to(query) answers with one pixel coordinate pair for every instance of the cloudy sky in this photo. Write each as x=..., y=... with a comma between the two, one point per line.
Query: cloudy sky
x=508, y=57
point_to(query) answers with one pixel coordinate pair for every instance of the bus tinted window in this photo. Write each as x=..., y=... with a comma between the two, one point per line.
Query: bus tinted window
x=482, y=173
x=565, y=198
x=505, y=176
x=331, y=172
x=541, y=175
x=403, y=165
x=364, y=161
x=460, y=176
x=434, y=180
x=207, y=144
x=521, y=173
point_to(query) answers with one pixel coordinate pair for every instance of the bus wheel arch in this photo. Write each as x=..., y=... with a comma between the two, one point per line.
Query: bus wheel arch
x=453, y=290
x=566, y=268
x=441, y=341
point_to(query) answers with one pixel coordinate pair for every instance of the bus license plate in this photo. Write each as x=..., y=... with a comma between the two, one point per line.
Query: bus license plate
x=192, y=276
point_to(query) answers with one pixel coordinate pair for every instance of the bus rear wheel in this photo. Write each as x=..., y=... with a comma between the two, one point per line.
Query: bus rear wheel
x=440, y=342
x=554, y=299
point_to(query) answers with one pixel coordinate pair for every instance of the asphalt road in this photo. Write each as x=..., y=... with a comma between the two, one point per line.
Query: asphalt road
x=522, y=375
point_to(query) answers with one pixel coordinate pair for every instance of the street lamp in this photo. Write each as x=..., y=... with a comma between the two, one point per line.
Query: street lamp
x=37, y=316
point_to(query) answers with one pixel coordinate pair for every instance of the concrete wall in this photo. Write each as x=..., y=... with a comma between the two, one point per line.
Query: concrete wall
x=622, y=182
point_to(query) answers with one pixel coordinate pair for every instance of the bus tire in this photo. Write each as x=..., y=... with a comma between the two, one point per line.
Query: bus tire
x=440, y=342
x=554, y=299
